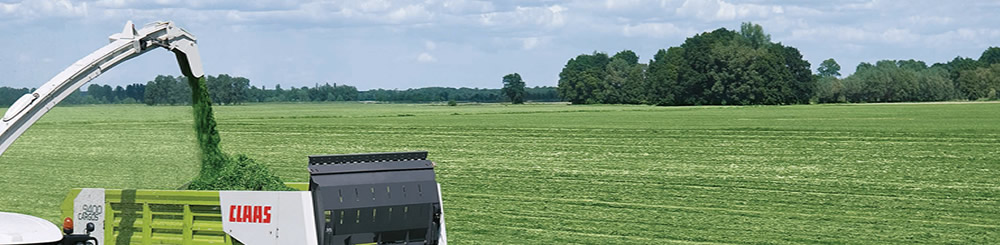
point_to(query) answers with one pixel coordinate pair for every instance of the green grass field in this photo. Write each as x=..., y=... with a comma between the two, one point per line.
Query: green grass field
x=556, y=174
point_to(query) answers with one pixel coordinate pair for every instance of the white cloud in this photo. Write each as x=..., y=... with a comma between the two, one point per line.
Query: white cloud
x=896, y=35
x=866, y=5
x=801, y=11
x=373, y=5
x=623, y=4
x=929, y=20
x=410, y=12
x=717, y=10
x=966, y=37
x=555, y=17
x=467, y=6
x=655, y=30
x=29, y=10
x=430, y=45
x=549, y=16
x=832, y=33
x=425, y=58
x=8, y=8
x=199, y=4
x=530, y=42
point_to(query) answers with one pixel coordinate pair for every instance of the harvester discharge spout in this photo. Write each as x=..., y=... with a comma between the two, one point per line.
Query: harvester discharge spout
x=126, y=45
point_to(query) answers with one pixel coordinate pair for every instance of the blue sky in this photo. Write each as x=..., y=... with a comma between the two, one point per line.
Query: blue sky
x=468, y=43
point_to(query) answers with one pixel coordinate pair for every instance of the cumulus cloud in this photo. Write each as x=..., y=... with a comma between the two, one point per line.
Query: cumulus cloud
x=545, y=16
x=29, y=10
x=425, y=58
x=929, y=20
x=410, y=12
x=965, y=36
x=895, y=36
x=530, y=43
x=655, y=30
x=865, y=5
x=467, y=6
x=623, y=4
x=839, y=33
x=718, y=10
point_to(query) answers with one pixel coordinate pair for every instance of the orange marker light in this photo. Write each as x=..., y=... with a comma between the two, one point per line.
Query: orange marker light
x=68, y=225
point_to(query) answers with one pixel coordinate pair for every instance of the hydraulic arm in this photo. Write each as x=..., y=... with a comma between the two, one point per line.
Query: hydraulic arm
x=124, y=46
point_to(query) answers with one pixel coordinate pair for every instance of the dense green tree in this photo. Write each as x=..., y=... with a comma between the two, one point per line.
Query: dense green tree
x=863, y=66
x=8, y=95
x=891, y=81
x=582, y=77
x=957, y=65
x=635, y=85
x=628, y=56
x=513, y=88
x=96, y=91
x=136, y=91
x=911, y=64
x=802, y=83
x=611, y=89
x=990, y=56
x=624, y=81
x=755, y=34
x=726, y=67
x=829, y=89
x=829, y=68
x=120, y=94
x=167, y=90
x=718, y=67
x=981, y=83
x=663, y=76
x=700, y=79
x=101, y=93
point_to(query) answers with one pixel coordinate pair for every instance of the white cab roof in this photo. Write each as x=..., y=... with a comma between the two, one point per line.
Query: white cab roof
x=24, y=229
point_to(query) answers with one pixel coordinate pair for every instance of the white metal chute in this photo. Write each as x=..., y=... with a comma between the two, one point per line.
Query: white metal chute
x=124, y=46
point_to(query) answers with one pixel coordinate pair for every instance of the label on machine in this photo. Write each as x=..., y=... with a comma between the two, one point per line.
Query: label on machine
x=268, y=217
x=88, y=207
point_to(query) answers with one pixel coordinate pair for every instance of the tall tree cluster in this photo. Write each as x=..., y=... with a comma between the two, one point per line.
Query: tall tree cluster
x=745, y=67
x=715, y=68
x=912, y=80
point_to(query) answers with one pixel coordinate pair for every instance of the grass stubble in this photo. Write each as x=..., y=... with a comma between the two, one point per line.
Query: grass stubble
x=557, y=174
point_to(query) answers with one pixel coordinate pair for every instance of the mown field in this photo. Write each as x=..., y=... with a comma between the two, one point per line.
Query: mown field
x=556, y=174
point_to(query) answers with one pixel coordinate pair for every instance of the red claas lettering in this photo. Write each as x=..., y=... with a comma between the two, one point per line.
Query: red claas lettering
x=267, y=214
x=250, y=214
x=247, y=213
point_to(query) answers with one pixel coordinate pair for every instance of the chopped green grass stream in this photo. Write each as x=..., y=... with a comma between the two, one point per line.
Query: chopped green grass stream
x=220, y=171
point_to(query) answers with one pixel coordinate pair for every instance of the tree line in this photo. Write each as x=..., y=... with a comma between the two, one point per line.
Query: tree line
x=436, y=94
x=744, y=67
x=912, y=80
x=231, y=90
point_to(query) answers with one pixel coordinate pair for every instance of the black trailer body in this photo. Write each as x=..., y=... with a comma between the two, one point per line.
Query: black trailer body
x=383, y=198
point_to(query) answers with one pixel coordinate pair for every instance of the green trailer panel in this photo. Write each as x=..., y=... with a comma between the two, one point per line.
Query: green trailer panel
x=159, y=216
